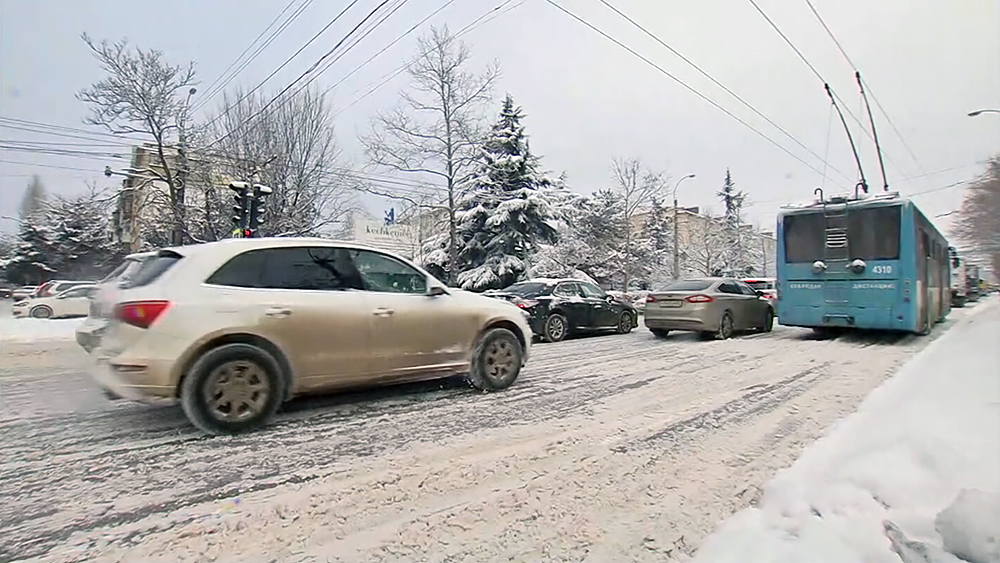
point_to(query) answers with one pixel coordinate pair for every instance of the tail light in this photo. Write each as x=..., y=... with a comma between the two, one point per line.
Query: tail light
x=650, y=299
x=140, y=313
x=699, y=299
x=525, y=303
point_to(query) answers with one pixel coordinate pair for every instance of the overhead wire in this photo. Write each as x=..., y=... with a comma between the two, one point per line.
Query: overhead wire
x=304, y=74
x=724, y=88
x=284, y=64
x=818, y=75
x=387, y=47
x=878, y=104
x=685, y=85
x=215, y=87
x=376, y=85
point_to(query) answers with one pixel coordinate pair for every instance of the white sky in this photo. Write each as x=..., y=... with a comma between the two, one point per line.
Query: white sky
x=928, y=62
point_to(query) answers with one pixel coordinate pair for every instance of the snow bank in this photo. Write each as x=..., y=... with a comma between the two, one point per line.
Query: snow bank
x=28, y=330
x=891, y=469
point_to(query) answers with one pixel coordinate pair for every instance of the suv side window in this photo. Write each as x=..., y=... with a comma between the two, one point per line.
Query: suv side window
x=591, y=290
x=385, y=274
x=242, y=270
x=310, y=268
x=566, y=289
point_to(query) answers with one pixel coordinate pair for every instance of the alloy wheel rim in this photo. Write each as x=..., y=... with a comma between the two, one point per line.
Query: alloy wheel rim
x=556, y=328
x=500, y=359
x=236, y=391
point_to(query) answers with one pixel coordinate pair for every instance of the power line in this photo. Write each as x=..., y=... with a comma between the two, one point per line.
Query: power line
x=284, y=64
x=50, y=166
x=868, y=86
x=724, y=87
x=387, y=47
x=211, y=91
x=304, y=74
x=485, y=18
x=819, y=76
x=685, y=85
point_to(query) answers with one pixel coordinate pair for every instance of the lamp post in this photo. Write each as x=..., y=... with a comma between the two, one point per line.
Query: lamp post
x=982, y=111
x=676, y=272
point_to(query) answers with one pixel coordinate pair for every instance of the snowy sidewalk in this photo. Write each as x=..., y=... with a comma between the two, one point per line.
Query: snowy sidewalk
x=890, y=469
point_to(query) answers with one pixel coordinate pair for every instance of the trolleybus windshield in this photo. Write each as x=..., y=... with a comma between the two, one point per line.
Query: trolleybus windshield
x=872, y=234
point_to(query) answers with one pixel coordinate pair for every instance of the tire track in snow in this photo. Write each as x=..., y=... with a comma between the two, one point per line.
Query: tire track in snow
x=102, y=469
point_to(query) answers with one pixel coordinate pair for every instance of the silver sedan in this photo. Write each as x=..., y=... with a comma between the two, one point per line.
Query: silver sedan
x=716, y=307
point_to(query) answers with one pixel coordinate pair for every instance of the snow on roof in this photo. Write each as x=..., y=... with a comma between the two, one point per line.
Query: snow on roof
x=841, y=198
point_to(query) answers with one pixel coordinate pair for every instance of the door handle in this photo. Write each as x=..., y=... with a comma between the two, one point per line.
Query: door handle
x=279, y=312
x=383, y=312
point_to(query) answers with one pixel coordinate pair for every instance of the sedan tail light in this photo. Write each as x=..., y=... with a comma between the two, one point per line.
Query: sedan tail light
x=650, y=299
x=140, y=313
x=525, y=303
x=699, y=299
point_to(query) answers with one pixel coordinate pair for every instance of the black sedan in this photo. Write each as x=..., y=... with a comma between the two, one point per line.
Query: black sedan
x=558, y=308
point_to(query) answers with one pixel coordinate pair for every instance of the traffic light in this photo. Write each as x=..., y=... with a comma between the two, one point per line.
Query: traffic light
x=242, y=199
x=260, y=192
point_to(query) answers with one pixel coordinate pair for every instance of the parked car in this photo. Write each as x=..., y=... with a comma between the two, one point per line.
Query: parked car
x=6, y=292
x=73, y=302
x=767, y=286
x=555, y=308
x=234, y=328
x=23, y=292
x=716, y=307
x=50, y=288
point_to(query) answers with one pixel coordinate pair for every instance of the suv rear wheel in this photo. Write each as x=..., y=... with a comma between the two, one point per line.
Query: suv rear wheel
x=231, y=389
x=496, y=360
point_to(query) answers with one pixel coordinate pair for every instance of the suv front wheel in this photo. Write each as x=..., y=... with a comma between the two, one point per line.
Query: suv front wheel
x=496, y=360
x=231, y=389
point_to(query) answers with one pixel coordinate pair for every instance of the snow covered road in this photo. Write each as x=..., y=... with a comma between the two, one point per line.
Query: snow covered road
x=609, y=448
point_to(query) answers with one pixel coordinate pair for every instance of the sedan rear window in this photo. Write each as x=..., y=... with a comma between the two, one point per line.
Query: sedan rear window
x=152, y=269
x=760, y=285
x=688, y=285
x=527, y=289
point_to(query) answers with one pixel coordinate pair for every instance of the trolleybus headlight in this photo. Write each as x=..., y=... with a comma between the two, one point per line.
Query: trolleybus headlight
x=819, y=266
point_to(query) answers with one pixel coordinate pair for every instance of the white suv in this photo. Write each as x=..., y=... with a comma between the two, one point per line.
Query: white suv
x=234, y=328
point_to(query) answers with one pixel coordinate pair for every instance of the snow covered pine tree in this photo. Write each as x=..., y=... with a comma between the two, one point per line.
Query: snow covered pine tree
x=504, y=214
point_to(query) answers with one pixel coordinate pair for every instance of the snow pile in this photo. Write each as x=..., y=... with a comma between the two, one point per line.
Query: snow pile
x=29, y=330
x=903, y=479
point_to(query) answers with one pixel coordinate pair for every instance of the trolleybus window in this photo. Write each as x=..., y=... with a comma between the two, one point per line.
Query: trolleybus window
x=873, y=233
x=805, y=236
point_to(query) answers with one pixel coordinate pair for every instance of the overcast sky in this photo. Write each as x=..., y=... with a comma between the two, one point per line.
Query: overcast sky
x=927, y=62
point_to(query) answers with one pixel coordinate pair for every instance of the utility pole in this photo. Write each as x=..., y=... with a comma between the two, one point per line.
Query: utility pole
x=183, y=171
x=676, y=272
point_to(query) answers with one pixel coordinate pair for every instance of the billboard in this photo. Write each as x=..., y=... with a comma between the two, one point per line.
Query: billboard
x=394, y=237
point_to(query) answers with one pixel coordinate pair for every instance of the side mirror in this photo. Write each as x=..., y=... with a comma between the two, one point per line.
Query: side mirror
x=759, y=293
x=436, y=290
x=609, y=298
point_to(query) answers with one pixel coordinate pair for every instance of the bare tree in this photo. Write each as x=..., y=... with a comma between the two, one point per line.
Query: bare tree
x=143, y=94
x=703, y=248
x=292, y=148
x=436, y=130
x=978, y=222
x=637, y=186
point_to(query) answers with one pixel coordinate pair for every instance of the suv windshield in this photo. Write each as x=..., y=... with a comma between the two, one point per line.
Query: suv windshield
x=526, y=289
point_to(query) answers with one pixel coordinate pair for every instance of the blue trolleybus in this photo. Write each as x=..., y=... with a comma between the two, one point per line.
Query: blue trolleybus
x=873, y=262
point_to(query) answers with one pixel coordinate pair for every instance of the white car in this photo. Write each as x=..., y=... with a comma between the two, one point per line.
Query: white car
x=234, y=328
x=73, y=302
